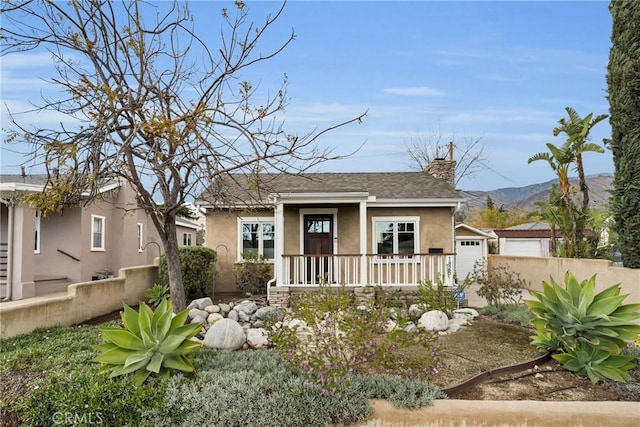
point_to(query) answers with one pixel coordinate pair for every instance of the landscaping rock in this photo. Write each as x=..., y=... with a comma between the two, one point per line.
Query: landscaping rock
x=214, y=317
x=212, y=309
x=269, y=313
x=199, y=319
x=233, y=315
x=416, y=309
x=200, y=303
x=434, y=320
x=465, y=313
x=257, y=338
x=225, y=334
x=389, y=326
x=247, y=307
x=411, y=328
x=224, y=309
x=195, y=312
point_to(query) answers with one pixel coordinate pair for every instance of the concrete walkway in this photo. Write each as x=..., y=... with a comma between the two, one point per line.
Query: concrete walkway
x=525, y=413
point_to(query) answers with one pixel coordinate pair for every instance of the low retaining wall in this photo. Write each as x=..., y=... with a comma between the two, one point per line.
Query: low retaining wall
x=536, y=270
x=525, y=413
x=83, y=301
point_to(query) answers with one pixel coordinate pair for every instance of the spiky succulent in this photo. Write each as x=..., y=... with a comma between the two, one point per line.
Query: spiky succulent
x=149, y=342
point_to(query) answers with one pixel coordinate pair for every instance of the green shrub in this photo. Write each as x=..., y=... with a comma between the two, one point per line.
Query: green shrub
x=338, y=339
x=81, y=397
x=517, y=313
x=198, y=266
x=498, y=284
x=249, y=388
x=150, y=342
x=588, y=331
x=438, y=297
x=253, y=273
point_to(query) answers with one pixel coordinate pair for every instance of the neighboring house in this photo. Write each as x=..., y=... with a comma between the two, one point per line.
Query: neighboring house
x=187, y=231
x=41, y=255
x=353, y=229
x=530, y=239
x=472, y=245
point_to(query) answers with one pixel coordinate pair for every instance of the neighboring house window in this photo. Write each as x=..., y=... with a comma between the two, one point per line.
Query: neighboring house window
x=36, y=248
x=396, y=235
x=257, y=237
x=97, y=232
x=186, y=239
x=140, y=245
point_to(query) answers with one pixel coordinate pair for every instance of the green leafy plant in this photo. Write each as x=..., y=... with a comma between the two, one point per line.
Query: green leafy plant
x=253, y=273
x=589, y=361
x=436, y=297
x=498, y=284
x=198, y=266
x=588, y=330
x=150, y=342
x=156, y=294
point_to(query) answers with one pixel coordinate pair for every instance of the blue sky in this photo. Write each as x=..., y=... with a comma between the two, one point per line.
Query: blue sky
x=500, y=71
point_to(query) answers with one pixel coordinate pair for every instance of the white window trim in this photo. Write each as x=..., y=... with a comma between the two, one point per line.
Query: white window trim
x=104, y=233
x=184, y=235
x=414, y=219
x=140, y=230
x=37, y=230
x=259, y=220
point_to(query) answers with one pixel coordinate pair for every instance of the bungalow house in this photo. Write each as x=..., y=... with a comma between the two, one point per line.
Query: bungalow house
x=354, y=229
x=43, y=255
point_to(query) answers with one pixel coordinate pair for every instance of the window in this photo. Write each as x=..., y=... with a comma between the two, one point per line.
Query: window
x=257, y=237
x=140, y=244
x=396, y=235
x=97, y=233
x=186, y=239
x=36, y=248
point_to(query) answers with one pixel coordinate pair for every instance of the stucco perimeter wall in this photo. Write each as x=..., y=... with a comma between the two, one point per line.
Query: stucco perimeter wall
x=83, y=301
x=536, y=270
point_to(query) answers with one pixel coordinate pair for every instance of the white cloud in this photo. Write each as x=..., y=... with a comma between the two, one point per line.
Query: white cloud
x=414, y=91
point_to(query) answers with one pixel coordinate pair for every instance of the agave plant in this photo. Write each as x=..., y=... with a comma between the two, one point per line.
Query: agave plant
x=150, y=342
x=567, y=316
x=596, y=364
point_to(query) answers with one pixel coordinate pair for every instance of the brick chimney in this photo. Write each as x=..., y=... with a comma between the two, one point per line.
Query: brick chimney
x=444, y=169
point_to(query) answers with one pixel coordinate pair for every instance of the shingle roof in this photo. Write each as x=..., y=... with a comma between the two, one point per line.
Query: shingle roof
x=382, y=185
x=26, y=179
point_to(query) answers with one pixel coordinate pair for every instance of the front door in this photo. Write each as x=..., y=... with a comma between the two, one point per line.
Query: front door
x=318, y=247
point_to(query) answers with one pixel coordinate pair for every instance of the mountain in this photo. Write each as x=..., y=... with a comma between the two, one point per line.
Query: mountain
x=525, y=198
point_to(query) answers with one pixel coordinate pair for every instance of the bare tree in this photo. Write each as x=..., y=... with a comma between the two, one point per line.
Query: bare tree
x=159, y=107
x=468, y=153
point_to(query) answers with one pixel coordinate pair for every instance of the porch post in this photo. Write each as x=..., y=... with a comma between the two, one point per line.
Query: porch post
x=279, y=243
x=364, y=268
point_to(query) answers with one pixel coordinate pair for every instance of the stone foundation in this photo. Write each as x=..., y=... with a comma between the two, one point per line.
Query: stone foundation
x=279, y=297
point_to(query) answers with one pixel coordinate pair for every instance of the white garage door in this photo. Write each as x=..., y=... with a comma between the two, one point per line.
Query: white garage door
x=523, y=247
x=468, y=251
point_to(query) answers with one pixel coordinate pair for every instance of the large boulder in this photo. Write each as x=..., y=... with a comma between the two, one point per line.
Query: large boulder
x=225, y=334
x=434, y=320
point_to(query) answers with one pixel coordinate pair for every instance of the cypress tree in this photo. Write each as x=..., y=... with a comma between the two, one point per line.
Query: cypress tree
x=623, y=84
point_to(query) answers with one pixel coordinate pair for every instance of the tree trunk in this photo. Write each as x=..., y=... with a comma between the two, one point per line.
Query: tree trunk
x=171, y=248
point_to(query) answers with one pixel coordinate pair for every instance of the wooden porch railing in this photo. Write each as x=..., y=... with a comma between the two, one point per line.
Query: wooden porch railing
x=384, y=270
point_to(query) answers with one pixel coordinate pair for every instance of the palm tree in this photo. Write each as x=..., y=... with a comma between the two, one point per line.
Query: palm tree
x=560, y=158
x=577, y=130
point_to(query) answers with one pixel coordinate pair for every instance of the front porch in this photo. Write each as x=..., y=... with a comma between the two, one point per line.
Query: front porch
x=366, y=270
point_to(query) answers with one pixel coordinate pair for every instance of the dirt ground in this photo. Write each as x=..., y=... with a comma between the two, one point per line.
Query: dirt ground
x=548, y=382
